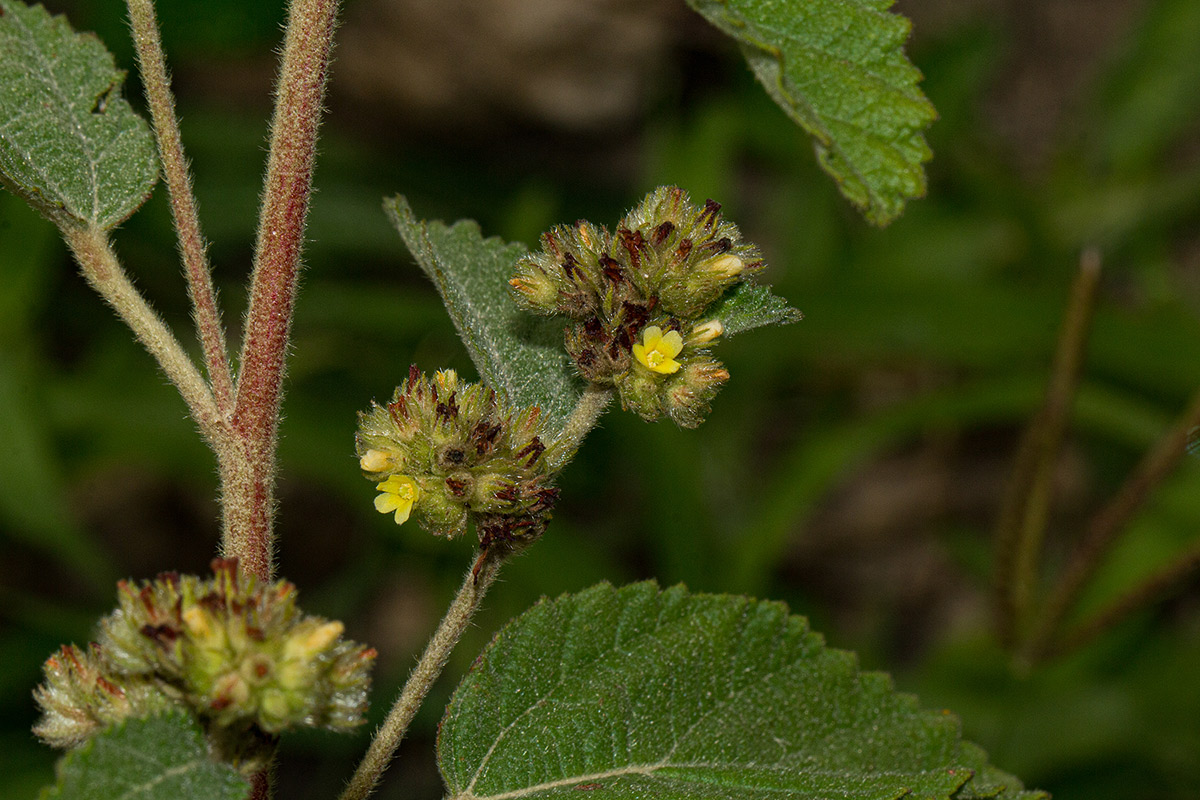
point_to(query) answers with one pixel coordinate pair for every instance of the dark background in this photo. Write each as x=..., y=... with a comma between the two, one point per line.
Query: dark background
x=852, y=467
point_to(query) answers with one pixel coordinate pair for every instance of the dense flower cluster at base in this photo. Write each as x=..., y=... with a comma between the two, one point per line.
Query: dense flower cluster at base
x=451, y=453
x=639, y=300
x=238, y=654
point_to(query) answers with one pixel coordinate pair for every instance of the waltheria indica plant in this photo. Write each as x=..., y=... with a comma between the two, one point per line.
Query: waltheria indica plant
x=622, y=692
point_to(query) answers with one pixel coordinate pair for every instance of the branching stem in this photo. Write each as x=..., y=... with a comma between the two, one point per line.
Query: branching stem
x=433, y=660
x=104, y=272
x=205, y=311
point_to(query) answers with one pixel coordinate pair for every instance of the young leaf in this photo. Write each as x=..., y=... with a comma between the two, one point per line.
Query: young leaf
x=156, y=758
x=69, y=144
x=838, y=68
x=515, y=354
x=638, y=692
x=752, y=305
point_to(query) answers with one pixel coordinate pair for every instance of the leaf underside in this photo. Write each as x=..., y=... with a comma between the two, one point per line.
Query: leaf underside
x=156, y=758
x=838, y=68
x=517, y=355
x=69, y=144
x=638, y=693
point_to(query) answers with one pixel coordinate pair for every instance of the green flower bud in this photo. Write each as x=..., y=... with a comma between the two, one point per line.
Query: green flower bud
x=451, y=452
x=82, y=696
x=238, y=653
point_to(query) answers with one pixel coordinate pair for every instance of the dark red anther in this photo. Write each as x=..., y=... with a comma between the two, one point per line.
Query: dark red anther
x=162, y=635
x=712, y=210
x=586, y=358
x=661, y=233
x=111, y=688
x=508, y=494
x=570, y=266
x=534, y=450
x=622, y=338
x=722, y=245
x=593, y=329
x=634, y=243
x=414, y=375
x=448, y=409
x=255, y=633
x=636, y=315
x=456, y=486
x=684, y=248
x=611, y=268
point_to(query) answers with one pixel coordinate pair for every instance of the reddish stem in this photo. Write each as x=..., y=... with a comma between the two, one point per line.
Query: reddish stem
x=249, y=504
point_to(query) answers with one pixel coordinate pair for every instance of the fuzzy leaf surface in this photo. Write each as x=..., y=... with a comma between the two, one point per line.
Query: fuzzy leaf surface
x=156, y=758
x=517, y=355
x=638, y=693
x=69, y=144
x=751, y=305
x=838, y=68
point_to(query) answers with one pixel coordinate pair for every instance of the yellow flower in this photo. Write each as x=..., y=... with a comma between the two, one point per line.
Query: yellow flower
x=397, y=493
x=657, y=350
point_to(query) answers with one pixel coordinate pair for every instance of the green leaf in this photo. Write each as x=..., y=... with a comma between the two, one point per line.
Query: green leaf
x=637, y=692
x=516, y=354
x=837, y=67
x=752, y=305
x=156, y=758
x=69, y=144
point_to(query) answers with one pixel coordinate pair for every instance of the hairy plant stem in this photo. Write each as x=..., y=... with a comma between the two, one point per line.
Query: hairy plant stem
x=1105, y=528
x=1022, y=521
x=433, y=660
x=205, y=311
x=1148, y=590
x=104, y=272
x=249, y=470
x=583, y=418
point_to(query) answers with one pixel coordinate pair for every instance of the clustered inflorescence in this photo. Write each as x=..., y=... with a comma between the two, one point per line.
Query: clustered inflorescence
x=640, y=300
x=238, y=654
x=454, y=452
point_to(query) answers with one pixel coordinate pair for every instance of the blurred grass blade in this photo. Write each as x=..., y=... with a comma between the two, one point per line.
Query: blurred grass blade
x=837, y=67
x=70, y=145
x=515, y=354
x=33, y=498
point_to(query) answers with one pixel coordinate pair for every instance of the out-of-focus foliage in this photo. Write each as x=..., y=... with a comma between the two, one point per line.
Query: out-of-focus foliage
x=852, y=466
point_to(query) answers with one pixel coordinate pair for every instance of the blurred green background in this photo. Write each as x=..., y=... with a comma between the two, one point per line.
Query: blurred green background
x=852, y=467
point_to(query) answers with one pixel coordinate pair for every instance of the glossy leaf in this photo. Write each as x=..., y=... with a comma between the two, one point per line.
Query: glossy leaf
x=516, y=354
x=69, y=144
x=838, y=68
x=637, y=692
x=156, y=758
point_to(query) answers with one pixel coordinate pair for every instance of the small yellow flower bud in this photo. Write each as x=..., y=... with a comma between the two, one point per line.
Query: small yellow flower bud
x=705, y=332
x=726, y=266
x=376, y=461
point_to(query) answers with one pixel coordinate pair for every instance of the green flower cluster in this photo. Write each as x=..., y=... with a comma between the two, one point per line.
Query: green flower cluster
x=238, y=654
x=638, y=300
x=453, y=453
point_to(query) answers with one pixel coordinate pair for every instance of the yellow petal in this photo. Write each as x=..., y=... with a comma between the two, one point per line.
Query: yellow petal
x=671, y=345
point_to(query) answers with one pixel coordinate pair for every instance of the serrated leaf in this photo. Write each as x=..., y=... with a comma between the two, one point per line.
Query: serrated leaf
x=69, y=144
x=637, y=692
x=752, y=305
x=516, y=354
x=156, y=758
x=837, y=67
